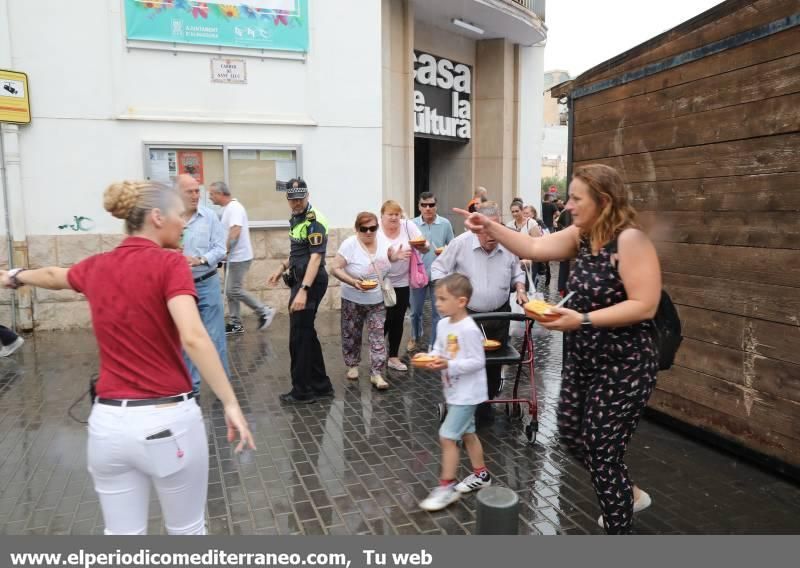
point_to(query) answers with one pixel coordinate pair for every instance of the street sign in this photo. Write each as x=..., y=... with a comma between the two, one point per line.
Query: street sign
x=228, y=71
x=15, y=106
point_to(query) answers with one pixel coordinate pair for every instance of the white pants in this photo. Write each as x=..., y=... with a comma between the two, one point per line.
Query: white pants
x=123, y=464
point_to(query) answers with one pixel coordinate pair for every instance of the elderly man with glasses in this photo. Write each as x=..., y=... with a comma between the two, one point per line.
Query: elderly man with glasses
x=203, y=245
x=438, y=232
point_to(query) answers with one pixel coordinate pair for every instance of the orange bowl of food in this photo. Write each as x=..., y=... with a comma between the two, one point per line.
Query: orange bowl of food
x=491, y=345
x=368, y=284
x=418, y=242
x=540, y=311
x=439, y=250
x=422, y=360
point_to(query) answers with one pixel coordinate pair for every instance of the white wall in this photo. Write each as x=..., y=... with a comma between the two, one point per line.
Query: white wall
x=95, y=103
x=556, y=140
x=531, y=124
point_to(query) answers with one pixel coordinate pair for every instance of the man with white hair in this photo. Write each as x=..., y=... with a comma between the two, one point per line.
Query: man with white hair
x=203, y=244
x=493, y=271
x=240, y=257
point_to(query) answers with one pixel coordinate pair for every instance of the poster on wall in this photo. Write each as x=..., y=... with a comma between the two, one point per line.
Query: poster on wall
x=191, y=163
x=163, y=165
x=256, y=24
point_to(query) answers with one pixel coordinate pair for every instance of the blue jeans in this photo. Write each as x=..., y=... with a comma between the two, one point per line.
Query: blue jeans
x=418, y=299
x=209, y=302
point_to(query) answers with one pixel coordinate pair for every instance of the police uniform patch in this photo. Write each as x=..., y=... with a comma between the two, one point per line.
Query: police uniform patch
x=315, y=239
x=311, y=216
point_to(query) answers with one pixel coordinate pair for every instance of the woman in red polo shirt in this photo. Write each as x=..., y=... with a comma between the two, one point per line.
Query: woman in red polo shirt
x=144, y=428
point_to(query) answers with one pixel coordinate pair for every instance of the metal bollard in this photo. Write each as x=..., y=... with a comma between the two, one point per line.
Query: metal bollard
x=498, y=511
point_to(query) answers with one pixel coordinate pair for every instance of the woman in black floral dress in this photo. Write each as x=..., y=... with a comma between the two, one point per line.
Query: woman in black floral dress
x=610, y=361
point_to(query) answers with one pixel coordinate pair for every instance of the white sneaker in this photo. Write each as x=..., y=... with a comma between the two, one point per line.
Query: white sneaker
x=379, y=382
x=440, y=498
x=352, y=373
x=642, y=503
x=265, y=319
x=472, y=483
x=7, y=350
x=399, y=366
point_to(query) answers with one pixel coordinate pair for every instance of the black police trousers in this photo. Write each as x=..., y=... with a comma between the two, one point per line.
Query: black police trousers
x=308, y=367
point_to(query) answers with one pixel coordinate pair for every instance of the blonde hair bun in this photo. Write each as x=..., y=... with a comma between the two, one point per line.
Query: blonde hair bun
x=121, y=198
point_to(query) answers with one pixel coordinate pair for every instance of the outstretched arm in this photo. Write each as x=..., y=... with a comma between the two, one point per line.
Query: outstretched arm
x=558, y=246
x=52, y=278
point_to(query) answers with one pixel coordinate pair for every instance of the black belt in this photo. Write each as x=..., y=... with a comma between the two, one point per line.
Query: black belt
x=146, y=401
x=205, y=276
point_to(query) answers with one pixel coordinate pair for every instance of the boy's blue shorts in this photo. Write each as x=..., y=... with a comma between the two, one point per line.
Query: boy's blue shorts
x=460, y=420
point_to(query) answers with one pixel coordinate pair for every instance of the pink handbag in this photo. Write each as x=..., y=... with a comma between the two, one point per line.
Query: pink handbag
x=417, y=274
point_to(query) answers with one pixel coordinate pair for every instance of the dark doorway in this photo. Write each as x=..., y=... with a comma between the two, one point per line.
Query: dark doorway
x=422, y=167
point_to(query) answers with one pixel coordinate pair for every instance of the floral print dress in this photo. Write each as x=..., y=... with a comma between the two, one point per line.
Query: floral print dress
x=608, y=377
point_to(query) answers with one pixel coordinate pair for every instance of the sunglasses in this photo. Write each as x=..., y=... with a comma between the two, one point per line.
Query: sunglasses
x=429, y=205
x=371, y=229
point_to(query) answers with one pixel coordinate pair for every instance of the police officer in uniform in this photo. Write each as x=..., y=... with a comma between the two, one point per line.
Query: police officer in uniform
x=304, y=272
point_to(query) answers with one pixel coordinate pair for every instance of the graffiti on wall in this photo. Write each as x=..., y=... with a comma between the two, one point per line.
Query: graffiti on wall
x=79, y=223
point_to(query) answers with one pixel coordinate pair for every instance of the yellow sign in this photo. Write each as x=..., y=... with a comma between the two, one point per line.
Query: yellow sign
x=15, y=105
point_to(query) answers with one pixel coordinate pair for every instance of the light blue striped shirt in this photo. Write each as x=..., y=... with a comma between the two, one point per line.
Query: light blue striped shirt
x=438, y=234
x=204, y=236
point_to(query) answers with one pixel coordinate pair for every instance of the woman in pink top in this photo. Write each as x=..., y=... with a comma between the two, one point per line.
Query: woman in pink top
x=398, y=231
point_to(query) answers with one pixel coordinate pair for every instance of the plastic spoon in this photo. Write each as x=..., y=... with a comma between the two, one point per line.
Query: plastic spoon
x=564, y=300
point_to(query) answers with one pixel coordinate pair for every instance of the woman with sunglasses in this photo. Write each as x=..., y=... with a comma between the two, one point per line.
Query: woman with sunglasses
x=361, y=263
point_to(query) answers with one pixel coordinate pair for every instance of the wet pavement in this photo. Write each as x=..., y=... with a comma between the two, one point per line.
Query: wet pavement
x=358, y=464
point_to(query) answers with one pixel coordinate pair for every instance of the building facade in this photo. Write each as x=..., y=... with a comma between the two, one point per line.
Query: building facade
x=366, y=99
x=555, y=132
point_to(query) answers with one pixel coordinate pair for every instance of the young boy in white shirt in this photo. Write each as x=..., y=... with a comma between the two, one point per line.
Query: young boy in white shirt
x=462, y=361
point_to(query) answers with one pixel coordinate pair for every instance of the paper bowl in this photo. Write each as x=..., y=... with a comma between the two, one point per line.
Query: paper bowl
x=368, y=284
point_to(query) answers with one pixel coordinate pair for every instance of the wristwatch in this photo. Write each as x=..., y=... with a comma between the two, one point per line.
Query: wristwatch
x=12, y=276
x=203, y=261
x=305, y=287
x=585, y=321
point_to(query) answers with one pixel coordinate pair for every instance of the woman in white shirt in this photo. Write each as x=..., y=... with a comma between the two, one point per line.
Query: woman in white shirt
x=520, y=223
x=398, y=231
x=363, y=260
x=524, y=224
